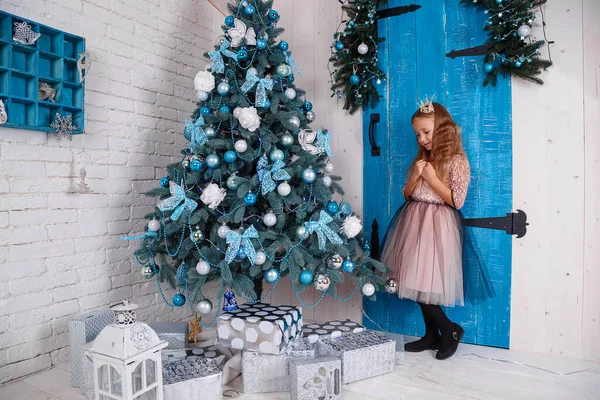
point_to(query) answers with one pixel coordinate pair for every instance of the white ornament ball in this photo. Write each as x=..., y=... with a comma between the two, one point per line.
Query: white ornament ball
x=261, y=257
x=284, y=189
x=203, y=267
x=270, y=219
x=327, y=181
x=202, y=96
x=253, y=70
x=328, y=168
x=237, y=112
x=363, y=48
x=290, y=93
x=153, y=225
x=368, y=289
x=222, y=231
x=204, y=307
x=301, y=232
x=524, y=30
x=241, y=146
x=294, y=121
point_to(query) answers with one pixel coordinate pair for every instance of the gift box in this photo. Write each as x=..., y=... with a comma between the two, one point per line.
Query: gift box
x=211, y=352
x=364, y=355
x=82, y=330
x=192, y=377
x=260, y=327
x=265, y=373
x=175, y=333
x=317, y=378
x=331, y=329
x=399, y=347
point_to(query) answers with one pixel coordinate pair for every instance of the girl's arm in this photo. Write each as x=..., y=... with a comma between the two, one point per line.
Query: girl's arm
x=441, y=189
x=459, y=175
x=409, y=188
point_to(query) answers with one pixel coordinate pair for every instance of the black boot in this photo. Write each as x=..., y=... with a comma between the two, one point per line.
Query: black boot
x=449, y=343
x=431, y=339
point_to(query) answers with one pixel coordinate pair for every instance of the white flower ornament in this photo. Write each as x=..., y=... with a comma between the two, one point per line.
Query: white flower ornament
x=239, y=32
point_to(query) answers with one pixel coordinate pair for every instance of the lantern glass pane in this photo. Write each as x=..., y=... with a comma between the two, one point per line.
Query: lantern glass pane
x=103, y=377
x=149, y=395
x=150, y=372
x=115, y=381
x=136, y=378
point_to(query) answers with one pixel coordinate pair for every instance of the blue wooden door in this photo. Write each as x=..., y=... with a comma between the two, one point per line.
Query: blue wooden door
x=414, y=55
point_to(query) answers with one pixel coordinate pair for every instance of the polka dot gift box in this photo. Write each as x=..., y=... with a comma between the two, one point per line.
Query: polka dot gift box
x=260, y=327
x=331, y=329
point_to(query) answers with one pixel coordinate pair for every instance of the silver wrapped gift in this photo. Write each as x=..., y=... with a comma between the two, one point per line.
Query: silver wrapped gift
x=175, y=333
x=265, y=373
x=260, y=327
x=331, y=328
x=192, y=378
x=83, y=329
x=318, y=378
x=364, y=355
x=399, y=347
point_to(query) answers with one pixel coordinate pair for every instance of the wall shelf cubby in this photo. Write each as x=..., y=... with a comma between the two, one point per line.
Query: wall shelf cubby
x=52, y=60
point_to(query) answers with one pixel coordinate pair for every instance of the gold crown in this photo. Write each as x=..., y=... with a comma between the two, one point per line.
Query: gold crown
x=426, y=106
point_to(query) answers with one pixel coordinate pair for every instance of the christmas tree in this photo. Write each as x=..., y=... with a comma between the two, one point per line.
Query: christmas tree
x=251, y=198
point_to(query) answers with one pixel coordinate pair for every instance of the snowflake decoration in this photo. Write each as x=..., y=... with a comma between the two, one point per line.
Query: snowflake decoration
x=63, y=126
x=24, y=34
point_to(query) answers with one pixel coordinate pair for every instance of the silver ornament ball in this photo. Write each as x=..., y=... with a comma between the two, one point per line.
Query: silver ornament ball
x=204, y=307
x=153, y=225
x=322, y=282
x=310, y=116
x=260, y=258
x=241, y=146
x=328, y=168
x=327, y=181
x=294, y=121
x=335, y=261
x=197, y=236
x=284, y=189
x=524, y=30
x=271, y=275
x=222, y=231
x=210, y=131
x=301, y=232
x=309, y=175
x=287, y=140
x=363, y=48
x=147, y=272
x=368, y=289
x=290, y=93
x=202, y=96
x=283, y=70
x=203, y=267
x=391, y=286
x=269, y=219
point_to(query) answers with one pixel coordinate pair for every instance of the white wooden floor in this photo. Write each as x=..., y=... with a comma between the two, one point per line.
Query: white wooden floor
x=473, y=373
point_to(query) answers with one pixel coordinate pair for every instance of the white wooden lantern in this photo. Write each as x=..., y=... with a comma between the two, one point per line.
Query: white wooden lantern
x=127, y=359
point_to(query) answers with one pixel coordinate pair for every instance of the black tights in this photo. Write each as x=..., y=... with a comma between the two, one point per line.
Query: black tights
x=435, y=319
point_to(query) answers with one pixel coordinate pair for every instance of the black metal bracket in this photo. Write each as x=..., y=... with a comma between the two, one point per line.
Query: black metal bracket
x=375, y=240
x=512, y=224
x=392, y=12
x=375, y=150
x=471, y=51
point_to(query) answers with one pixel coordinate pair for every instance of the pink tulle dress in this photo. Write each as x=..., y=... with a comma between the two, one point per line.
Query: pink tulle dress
x=424, y=243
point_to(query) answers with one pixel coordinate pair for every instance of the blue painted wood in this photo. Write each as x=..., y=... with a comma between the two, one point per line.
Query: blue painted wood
x=415, y=53
x=52, y=59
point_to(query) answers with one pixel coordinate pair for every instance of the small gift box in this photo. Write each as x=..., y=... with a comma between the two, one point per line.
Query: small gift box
x=260, y=327
x=318, y=378
x=332, y=328
x=364, y=355
x=192, y=377
x=175, y=333
x=82, y=330
x=265, y=373
x=399, y=347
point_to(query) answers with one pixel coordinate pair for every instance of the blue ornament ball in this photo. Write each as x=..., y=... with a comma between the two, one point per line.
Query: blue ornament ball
x=308, y=106
x=249, y=10
x=205, y=110
x=164, y=182
x=241, y=252
x=498, y=1
x=339, y=46
x=276, y=155
x=306, y=277
x=213, y=161
x=332, y=207
x=283, y=45
x=309, y=175
x=229, y=20
x=230, y=156
x=273, y=15
x=179, y=300
x=488, y=67
x=250, y=199
x=518, y=63
x=196, y=164
x=291, y=78
x=225, y=109
x=242, y=54
x=354, y=79
x=271, y=275
x=223, y=88
x=267, y=103
x=233, y=182
x=261, y=44
x=348, y=266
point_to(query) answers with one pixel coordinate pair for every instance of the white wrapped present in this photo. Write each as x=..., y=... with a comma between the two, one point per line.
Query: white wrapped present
x=83, y=329
x=331, y=328
x=317, y=378
x=364, y=355
x=192, y=378
x=265, y=373
x=260, y=327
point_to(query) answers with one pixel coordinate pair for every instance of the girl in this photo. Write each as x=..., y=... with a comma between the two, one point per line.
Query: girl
x=424, y=243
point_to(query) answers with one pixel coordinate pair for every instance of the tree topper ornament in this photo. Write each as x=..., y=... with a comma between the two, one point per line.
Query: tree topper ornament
x=239, y=32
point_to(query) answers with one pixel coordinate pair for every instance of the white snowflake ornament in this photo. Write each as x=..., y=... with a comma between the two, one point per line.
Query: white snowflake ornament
x=63, y=126
x=239, y=32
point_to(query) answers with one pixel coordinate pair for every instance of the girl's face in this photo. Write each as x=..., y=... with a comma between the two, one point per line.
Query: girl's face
x=423, y=128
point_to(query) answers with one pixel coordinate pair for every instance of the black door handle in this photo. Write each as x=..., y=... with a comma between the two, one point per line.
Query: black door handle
x=375, y=150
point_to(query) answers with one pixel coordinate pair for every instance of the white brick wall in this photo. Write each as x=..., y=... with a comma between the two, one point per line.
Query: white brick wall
x=59, y=252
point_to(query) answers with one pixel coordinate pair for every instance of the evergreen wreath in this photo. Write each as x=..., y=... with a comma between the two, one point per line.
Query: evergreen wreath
x=510, y=48
x=354, y=54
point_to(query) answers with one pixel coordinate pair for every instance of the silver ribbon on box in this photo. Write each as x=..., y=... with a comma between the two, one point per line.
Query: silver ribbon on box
x=364, y=355
x=186, y=379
